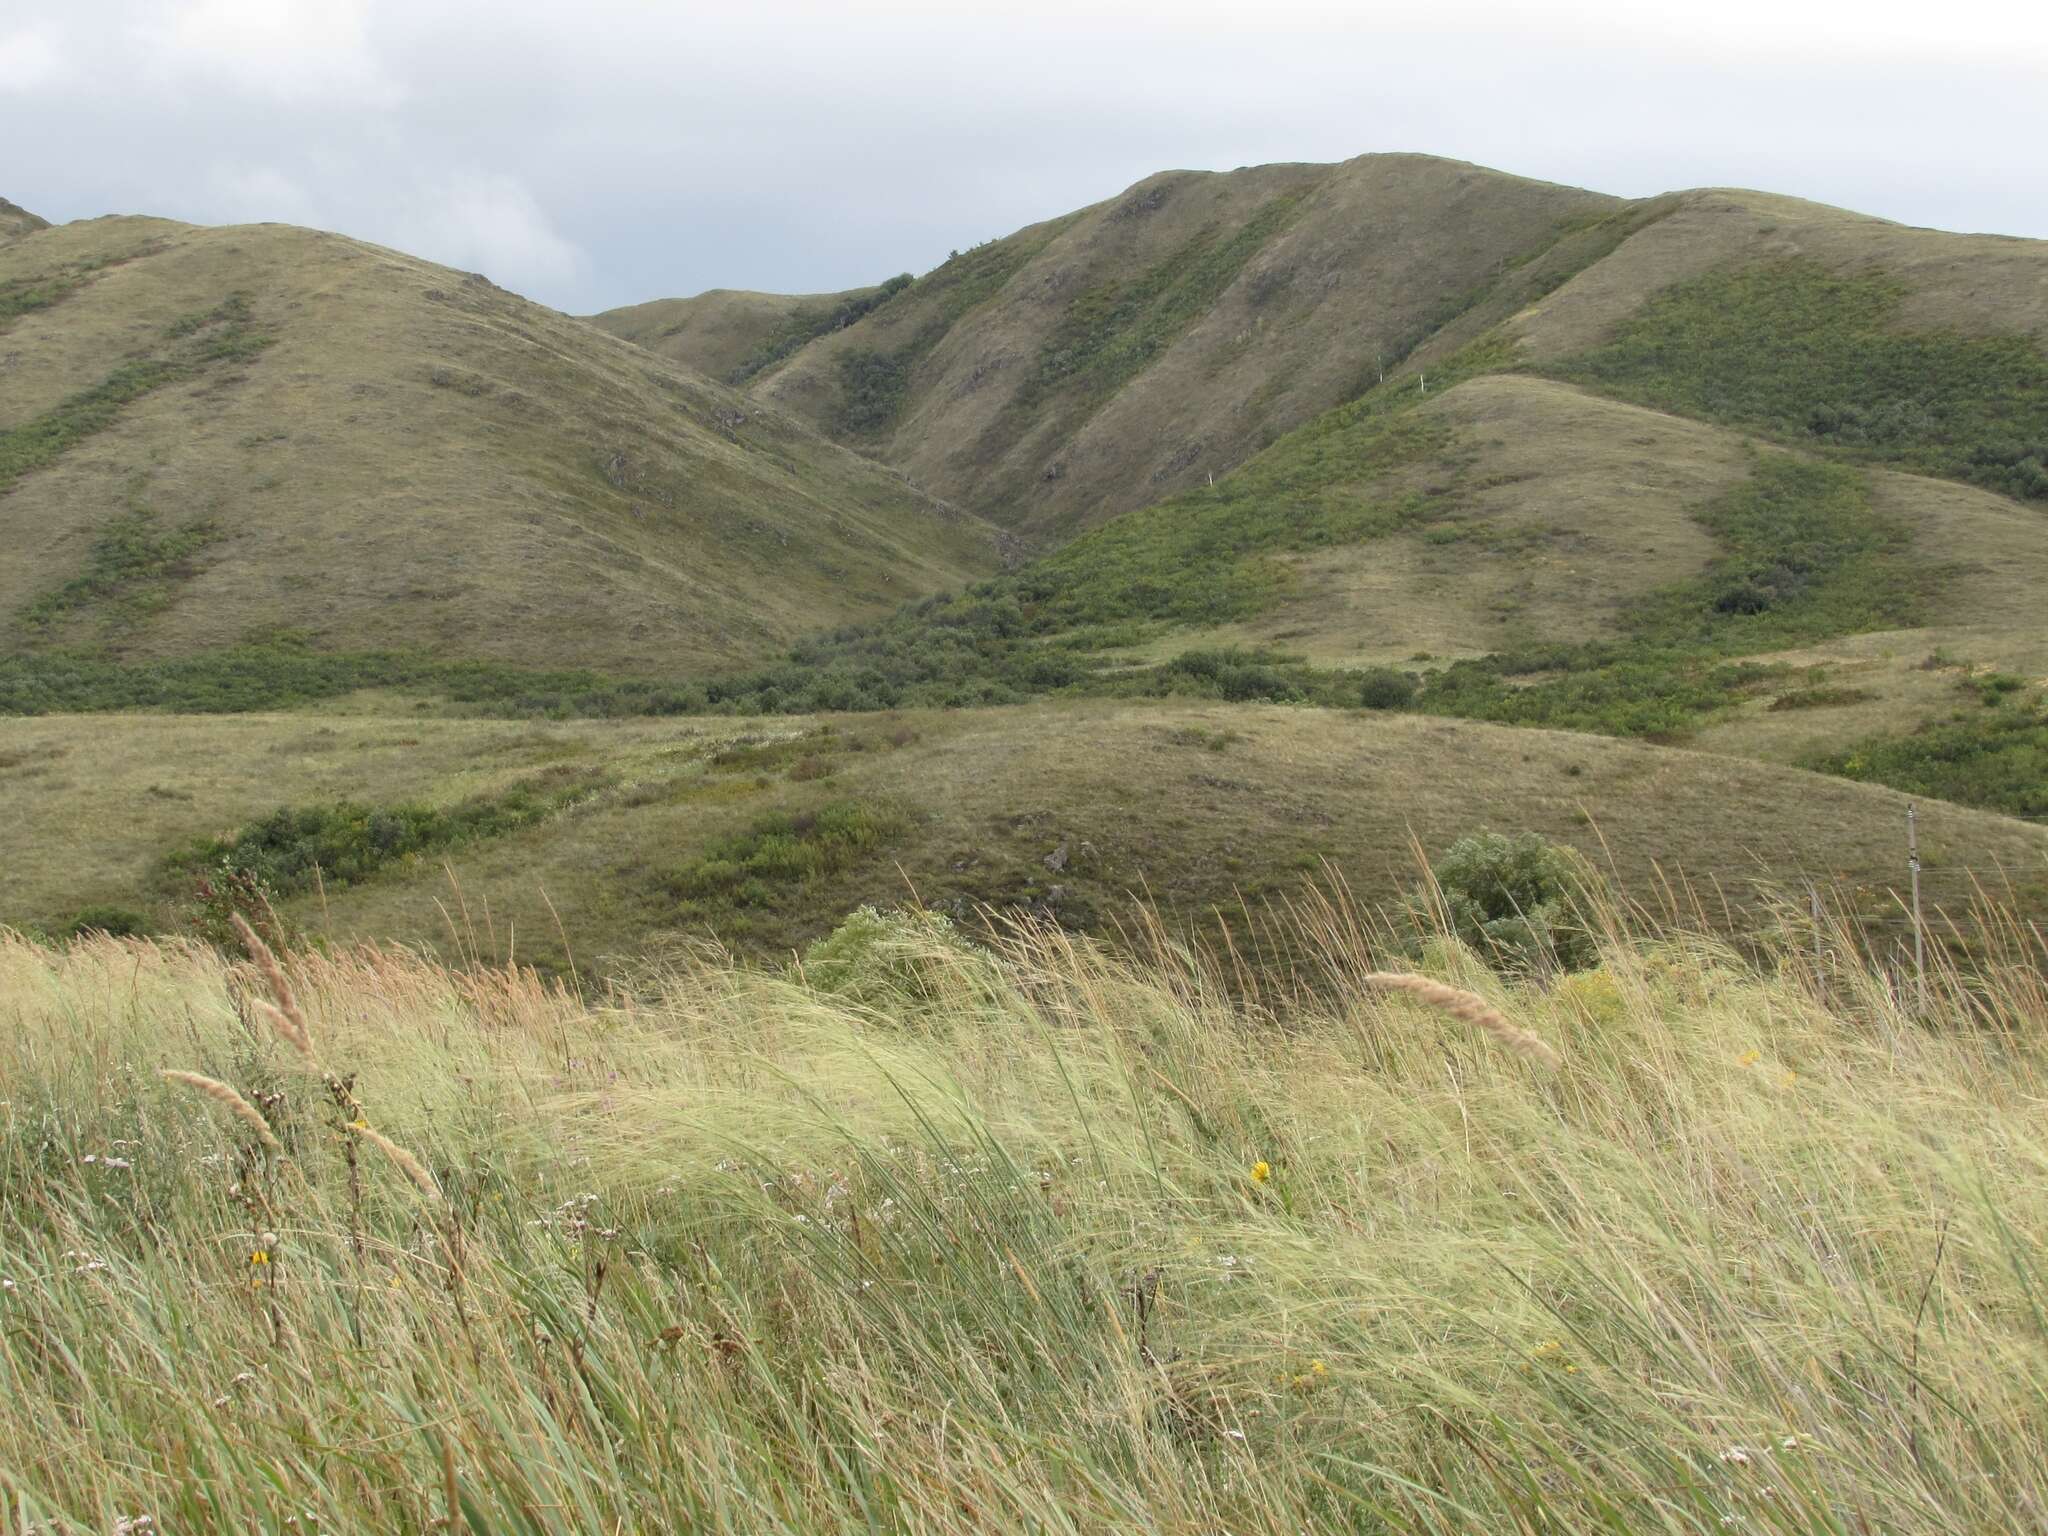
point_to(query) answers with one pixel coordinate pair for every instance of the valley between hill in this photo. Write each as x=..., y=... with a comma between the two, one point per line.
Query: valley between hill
x=1223, y=527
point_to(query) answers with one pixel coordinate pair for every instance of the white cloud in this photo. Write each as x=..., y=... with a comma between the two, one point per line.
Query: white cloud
x=489, y=222
x=30, y=60
x=294, y=52
x=814, y=144
x=258, y=194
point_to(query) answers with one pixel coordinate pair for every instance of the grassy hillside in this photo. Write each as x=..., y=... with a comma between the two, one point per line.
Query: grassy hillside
x=214, y=437
x=16, y=221
x=624, y=837
x=732, y=335
x=1702, y=461
x=952, y=1241
x=1094, y=363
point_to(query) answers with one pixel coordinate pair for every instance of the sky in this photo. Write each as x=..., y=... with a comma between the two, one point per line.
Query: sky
x=590, y=153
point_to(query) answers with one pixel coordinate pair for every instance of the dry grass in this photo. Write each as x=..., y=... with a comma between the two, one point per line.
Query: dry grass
x=713, y=333
x=1198, y=805
x=1378, y=246
x=1984, y=284
x=422, y=459
x=1467, y=1006
x=1583, y=504
x=1038, y=1237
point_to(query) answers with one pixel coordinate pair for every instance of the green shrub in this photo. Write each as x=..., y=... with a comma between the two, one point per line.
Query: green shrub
x=1791, y=349
x=884, y=959
x=1385, y=688
x=1995, y=759
x=1520, y=901
x=758, y=866
x=115, y=922
x=339, y=844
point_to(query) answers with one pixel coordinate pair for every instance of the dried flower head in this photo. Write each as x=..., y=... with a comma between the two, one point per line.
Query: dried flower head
x=229, y=1100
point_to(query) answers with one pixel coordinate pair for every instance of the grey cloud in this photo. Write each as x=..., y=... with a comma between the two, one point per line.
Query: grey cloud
x=615, y=151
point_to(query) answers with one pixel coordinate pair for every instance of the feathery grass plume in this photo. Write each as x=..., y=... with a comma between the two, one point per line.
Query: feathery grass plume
x=403, y=1160
x=229, y=1100
x=285, y=1016
x=1468, y=1006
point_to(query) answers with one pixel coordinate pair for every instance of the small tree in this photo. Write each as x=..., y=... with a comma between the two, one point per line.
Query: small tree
x=1385, y=688
x=1520, y=901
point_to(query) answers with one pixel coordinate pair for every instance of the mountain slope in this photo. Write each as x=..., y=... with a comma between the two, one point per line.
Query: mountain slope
x=213, y=434
x=669, y=828
x=1097, y=362
x=16, y=221
x=731, y=335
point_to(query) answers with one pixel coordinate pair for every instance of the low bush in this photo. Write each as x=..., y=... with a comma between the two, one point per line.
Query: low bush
x=757, y=867
x=1523, y=903
x=338, y=844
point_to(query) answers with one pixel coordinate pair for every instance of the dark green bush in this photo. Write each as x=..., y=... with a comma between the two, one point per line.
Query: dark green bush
x=345, y=842
x=1385, y=688
x=1523, y=903
x=1810, y=357
x=1995, y=759
x=756, y=867
x=115, y=922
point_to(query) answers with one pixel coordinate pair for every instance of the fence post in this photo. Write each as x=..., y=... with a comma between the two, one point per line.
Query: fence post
x=1813, y=896
x=1919, y=934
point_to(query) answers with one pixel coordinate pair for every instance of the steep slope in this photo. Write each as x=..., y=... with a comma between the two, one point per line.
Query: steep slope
x=209, y=435
x=766, y=831
x=732, y=335
x=1094, y=363
x=16, y=221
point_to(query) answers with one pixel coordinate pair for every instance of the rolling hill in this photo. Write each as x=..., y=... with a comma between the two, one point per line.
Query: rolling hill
x=1716, y=466
x=1715, y=471
x=1112, y=357
x=732, y=335
x=212, y=438
x=1096, y=362
x=621, y=837
x=16, y=221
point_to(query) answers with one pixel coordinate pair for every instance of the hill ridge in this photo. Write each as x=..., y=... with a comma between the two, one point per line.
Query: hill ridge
x=467, y=471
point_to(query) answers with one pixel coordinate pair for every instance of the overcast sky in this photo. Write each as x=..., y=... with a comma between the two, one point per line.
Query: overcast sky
x=598, y=152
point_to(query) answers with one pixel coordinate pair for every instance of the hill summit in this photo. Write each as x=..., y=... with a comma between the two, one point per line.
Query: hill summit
x=16, y=220
x=209, y=436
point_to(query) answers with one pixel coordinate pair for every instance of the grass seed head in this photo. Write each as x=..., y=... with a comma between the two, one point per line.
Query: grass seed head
x=1471, y=1008
x=229, y=1100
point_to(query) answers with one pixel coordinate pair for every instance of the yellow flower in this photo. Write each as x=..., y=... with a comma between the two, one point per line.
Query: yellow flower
x=1317, y=1368
x=1749, y=1058
x=359, y=1124
x=1261, y=1171
x=259, y=1257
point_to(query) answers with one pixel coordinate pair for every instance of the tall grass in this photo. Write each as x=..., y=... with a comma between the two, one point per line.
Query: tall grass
x=1046, y=1237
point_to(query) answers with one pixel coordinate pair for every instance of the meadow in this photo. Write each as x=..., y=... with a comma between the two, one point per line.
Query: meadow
x=944, y=1229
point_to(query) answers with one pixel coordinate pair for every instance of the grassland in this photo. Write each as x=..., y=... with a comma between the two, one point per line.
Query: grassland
x=389, y=455
x=562, y=842
x=1808, y=356
x=736, y=336
x=1092, y=364
x=1030, y=1237
x=16, y=221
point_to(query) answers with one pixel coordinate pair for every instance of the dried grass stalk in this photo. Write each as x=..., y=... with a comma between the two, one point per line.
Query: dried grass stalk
x=226, y=1097
x=1471, y=1008
x=285, y=1016
x=403, y=1160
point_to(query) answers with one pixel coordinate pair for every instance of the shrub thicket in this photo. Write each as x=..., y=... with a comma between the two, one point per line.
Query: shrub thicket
x=1818, y=359
x=1521, y=902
